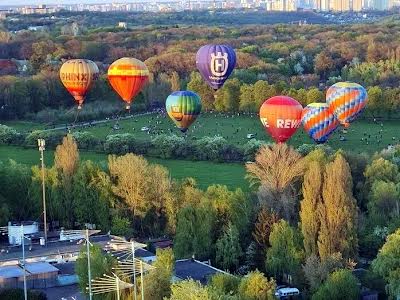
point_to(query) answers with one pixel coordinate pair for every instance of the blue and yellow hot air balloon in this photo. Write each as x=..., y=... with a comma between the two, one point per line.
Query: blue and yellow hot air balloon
x=319, y=121
x=347, y=101
x=183, y=107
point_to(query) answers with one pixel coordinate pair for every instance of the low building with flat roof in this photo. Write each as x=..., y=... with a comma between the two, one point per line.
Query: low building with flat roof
x=196, y=270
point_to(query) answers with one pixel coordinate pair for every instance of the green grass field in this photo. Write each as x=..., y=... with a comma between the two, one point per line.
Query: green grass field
x=363, y=135
x=205, y=173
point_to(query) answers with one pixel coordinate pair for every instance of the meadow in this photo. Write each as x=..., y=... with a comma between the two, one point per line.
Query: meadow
x=205, y=173
x=363, y=135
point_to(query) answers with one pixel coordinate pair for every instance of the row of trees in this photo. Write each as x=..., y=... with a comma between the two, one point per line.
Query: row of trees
x=43, y=98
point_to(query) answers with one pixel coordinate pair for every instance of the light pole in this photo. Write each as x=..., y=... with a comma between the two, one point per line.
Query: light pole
x=23, y=261
x=41, y=144
x=85, y=234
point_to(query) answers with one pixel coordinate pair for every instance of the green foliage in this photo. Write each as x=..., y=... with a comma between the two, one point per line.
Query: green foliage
x=285, y=254
x=255, y=286
x=100, y=264
x=189, y=288
x=18, y=294
x=9, y=135
x=387, y=264
x=121, y=226
x=194, y=224
x=158, y=281
x=225, y=284
x=340, y=285
x=228, y=250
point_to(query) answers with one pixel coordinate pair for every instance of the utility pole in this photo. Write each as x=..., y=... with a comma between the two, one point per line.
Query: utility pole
x=41, y=144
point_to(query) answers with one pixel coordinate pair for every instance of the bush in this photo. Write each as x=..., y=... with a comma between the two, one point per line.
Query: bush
x=124, y=143
x=251, y=148
x=18, y=294
x=216, y=149
x=9, y=135
x=169, y=146
x=121, y=226
x=87, y=140
x=53, y=138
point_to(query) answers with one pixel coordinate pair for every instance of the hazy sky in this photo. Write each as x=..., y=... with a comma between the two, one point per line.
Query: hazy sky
x=31, y=2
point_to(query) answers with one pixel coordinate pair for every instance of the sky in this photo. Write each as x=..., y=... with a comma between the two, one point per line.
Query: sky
x=36, y=2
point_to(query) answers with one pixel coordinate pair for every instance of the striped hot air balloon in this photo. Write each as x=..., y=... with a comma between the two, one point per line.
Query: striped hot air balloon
x=183, y=107
x=347, y=101
x=127, y=76
x=281, y=117
x=78, y=75
x=319, y=121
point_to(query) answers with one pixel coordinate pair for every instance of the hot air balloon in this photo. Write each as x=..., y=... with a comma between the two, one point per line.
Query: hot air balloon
x=127, y=76
x=215, y=63
x=281, y=116
x=183, y=107
x=347, y=100
x=78, y=75
x=319, y=121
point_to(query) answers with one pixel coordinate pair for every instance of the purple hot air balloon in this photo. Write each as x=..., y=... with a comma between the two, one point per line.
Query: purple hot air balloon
x=215, y=63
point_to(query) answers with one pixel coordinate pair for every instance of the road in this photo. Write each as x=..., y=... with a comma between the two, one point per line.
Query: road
x=95, y=122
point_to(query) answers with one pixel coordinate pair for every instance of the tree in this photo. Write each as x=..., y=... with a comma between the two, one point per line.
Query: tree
x=193, y=229
x=285, y=254
x=340, y=285
x=189, y=289
x=277, y=168
x=93, y=195
x=261, y=92
x=66, y=162
x=387, y=264
x=198, y=85
x=263, y=227
x=337, y=212
x=225, y=284
x=312, y=192
x=99, y=264
x=316, y=271
x=228, y=250
x=255, y=286
x=323, y=64
x=175, y=81
x=384, y=200
x=129, y=174
x=246, y=101
x=157, y=282
x=228, y=96
x=315, y=95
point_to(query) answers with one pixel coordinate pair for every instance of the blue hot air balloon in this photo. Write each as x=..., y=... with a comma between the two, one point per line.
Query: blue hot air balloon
x=215, y=63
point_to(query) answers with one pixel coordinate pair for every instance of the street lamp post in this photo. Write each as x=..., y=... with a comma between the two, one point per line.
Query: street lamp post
x=41, y=144
x=23, y=261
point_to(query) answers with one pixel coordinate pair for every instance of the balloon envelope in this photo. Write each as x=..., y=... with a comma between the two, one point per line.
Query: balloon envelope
x=127, y=76
x=78, y=75
x=319, y=121
x=183, y=107
x=347, y=101
x=215, y=63
x=281, y=117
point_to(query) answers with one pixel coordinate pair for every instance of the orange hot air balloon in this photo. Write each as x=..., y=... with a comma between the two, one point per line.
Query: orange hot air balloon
x=127, y=76
x=281, y=117
x=78, y=75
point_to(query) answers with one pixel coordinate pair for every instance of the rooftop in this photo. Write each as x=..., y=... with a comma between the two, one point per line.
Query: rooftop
x=40, y=268
x=194, y=269
x=11, y=272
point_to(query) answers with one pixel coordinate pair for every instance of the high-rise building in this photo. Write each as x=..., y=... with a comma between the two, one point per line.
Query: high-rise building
x=340, y=5
x=322, y=5
x=357, y=5
x=283, y=5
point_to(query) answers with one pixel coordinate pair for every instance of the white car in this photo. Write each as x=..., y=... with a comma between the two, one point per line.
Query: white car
x=145, y=128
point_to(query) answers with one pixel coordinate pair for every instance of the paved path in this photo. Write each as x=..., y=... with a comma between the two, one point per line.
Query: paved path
x=95, y=122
